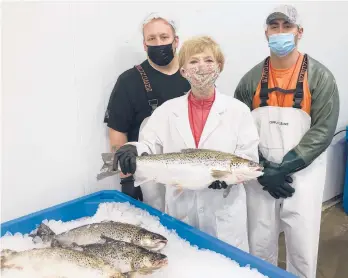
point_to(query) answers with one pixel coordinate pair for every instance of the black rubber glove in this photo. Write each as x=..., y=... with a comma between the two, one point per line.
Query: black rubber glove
x=276, y=194
x=218, y=185
x=128, y=188
x=276, y=176
x=126, y=156
x=274, y=180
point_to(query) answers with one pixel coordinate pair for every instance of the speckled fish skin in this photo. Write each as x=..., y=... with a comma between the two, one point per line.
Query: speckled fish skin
x=58, y=262
x=195, y=169
x=96, y=233
x=126, y=256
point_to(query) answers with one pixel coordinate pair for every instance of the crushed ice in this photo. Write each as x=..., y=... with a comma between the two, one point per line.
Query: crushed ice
x=184, y=259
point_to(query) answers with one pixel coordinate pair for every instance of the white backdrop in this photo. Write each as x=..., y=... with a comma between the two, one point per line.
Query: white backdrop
x=60, y=62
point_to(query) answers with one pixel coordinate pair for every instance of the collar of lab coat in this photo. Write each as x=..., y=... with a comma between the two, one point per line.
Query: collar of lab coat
x=182, y=122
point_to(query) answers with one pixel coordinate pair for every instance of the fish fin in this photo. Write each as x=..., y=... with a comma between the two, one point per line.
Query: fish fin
x=76, y=247
x=56, y=243
x=72, y=246
x=130, y=274
x=145, y=271
x=107, y=239
x=105, y=221
x=192, y=150
x=119, y=274
x=218, y=174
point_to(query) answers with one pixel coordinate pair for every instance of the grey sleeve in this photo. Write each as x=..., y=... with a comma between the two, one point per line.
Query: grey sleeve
x=247, y=85
x=244, y=94
x=324, y=114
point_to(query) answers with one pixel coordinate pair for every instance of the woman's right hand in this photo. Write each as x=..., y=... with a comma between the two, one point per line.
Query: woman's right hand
x=218, y=185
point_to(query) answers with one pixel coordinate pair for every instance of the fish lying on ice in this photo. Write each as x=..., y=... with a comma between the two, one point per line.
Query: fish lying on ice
x=127, y=257
x=97, y=232
x=58, y=262
x=193, y=169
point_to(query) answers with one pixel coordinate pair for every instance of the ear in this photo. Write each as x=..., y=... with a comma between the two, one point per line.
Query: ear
x=220, y=65
x=300, y=33
x=266, y=35
x=144, y=44
x=182, y=71
x=176, y=42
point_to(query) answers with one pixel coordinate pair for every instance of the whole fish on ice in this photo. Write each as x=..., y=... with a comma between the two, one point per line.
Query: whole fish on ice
x=127, y=257
x=98, y=232
x=57, y=262
x=193, y=169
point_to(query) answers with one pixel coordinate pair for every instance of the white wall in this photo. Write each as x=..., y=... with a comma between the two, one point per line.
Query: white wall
x=60, y=62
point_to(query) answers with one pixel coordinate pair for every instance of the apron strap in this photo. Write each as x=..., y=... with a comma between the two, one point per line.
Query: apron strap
x=264, y=83
x=298, y=92
x=153, y=102
x=298, y=96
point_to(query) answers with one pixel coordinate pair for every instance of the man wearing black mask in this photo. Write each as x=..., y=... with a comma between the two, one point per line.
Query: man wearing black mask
x=142, y=88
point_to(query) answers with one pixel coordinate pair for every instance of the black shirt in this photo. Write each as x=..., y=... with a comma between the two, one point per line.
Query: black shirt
x=128, y=104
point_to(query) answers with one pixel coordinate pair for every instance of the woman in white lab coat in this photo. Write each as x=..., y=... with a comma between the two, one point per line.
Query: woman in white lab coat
x=203, y=118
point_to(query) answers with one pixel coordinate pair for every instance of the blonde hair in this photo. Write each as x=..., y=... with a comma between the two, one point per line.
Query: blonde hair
x=197, y=45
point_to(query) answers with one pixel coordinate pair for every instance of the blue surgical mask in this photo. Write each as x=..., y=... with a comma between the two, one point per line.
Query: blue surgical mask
x=282, y=44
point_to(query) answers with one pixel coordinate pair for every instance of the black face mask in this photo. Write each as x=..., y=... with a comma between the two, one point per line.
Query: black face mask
x=161, y=55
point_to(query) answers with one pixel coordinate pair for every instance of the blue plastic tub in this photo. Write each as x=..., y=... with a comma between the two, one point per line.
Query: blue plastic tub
x=88, y=205
x=345, y=188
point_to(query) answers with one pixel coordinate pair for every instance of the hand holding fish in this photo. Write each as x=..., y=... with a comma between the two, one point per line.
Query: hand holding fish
x=218, y=185
x=126, y=157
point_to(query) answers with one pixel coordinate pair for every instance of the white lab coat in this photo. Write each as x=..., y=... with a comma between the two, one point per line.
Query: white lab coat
x=229, y=128
x=153, y=193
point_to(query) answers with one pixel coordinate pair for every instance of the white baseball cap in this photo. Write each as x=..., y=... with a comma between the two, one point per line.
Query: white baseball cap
x=164, y=16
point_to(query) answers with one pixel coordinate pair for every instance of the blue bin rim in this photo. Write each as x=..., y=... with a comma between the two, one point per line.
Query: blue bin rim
x=253, y=261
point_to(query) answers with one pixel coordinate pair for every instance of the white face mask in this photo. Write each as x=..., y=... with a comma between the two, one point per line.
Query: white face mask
x=202, y=78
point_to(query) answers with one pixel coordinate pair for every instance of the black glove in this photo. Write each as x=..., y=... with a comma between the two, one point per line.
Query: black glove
x=276, y=194
x=218, y=185
x=273, y=180
x=276, y=177
x=126, y=156
x=129, y=189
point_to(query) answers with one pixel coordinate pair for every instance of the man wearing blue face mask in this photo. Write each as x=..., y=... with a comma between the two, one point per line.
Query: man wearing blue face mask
x=295, y=103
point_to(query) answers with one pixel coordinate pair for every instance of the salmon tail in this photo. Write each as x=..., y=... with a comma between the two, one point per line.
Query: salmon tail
x=107, y=169
x=44, y=233
x=119, y=274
